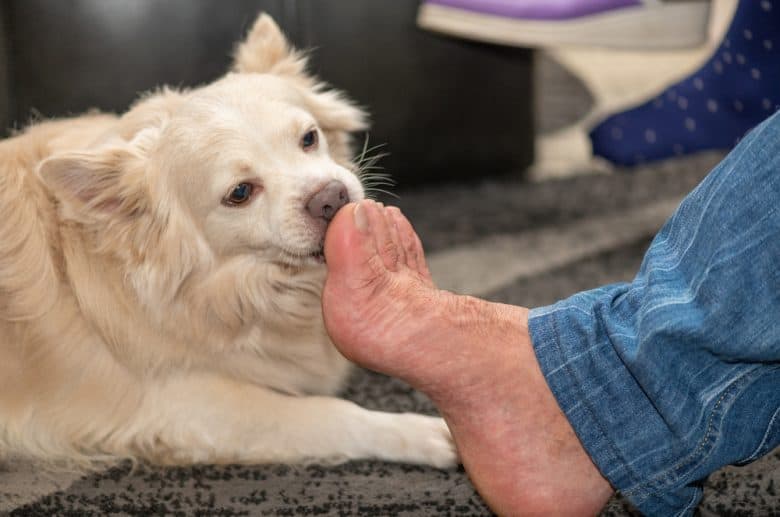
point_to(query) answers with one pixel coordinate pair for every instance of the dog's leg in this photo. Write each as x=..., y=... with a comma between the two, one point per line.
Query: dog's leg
x=200, y=419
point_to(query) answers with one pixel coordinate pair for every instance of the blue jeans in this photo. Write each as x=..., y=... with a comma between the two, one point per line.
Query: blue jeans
x=669, y=377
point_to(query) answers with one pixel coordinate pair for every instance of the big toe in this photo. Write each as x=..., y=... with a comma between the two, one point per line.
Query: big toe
x=350, y=248
x=342, y=238
x=361, y=243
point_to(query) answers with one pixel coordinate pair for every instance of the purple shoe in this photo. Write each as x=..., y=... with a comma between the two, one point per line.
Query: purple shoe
x=637, y=24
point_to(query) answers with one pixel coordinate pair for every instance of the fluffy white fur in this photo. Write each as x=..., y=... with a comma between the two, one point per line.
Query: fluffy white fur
x=141, y=317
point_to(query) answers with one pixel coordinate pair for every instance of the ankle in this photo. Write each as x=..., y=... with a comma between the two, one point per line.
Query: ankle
x=483, y=344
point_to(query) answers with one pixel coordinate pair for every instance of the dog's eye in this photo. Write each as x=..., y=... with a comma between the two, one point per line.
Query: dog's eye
x=309, y=140
x=239, y=195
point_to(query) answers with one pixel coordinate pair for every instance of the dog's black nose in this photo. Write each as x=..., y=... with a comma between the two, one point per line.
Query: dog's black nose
x=326, y=202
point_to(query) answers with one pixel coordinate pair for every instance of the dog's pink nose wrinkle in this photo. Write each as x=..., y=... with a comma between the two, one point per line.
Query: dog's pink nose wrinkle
x=326, y=202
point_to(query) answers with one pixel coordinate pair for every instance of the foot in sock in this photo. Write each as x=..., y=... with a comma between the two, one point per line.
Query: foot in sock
x=713, y=108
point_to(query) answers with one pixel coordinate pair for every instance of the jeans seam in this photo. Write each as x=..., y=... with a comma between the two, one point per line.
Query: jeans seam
x=671, y=475
x=691, y=504
x=757, y=452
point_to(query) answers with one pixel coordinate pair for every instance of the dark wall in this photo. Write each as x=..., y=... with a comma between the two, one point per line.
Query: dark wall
x=445, y=108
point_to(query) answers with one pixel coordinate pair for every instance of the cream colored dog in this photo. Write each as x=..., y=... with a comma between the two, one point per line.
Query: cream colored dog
x=160, y=279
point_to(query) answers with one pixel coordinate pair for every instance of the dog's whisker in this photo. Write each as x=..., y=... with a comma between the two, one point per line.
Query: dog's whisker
x=371, y=182
x=373, y=157
x=375, y=171
x=370, y=166
x=366, y=150
x=374, y=184
x=372, y=170
x=372, y=163
x=370, y=174
x=365, y=156
x=367, y=172
x=370, y=192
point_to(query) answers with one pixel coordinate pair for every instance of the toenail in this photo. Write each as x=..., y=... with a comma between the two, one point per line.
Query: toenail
x=361, y=221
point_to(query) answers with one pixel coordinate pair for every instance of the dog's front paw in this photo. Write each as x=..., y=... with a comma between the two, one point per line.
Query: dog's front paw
x=426, y=440
x=441, y=451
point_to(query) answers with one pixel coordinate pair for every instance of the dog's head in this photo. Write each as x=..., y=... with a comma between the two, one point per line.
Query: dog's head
x=240, y=174
x=258, y=163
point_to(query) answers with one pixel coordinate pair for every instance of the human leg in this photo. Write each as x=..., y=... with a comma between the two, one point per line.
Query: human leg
x=675, y=374
x=663, y=379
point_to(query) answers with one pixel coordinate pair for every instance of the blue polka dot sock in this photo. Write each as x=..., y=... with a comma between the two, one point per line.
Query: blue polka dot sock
x=713, y=108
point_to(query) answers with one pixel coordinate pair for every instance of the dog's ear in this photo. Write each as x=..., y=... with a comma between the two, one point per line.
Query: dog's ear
x=266, y=50
x=334, y=111
x=100, y=184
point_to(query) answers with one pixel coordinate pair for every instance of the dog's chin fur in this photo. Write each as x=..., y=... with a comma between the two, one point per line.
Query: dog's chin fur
x=142, y=316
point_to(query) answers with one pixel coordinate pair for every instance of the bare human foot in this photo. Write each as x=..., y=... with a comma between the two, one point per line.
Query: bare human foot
x=473, y=358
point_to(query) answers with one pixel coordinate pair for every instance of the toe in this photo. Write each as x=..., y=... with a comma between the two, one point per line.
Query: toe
x=401, y=238
x=359, y=249
x=349, y=244
x=395, y=235
x=414, y=257
x=383, y=238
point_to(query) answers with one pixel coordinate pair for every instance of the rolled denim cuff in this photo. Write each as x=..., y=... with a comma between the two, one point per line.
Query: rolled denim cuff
x=675, y=374
x=632, y=437
x=599, y=397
